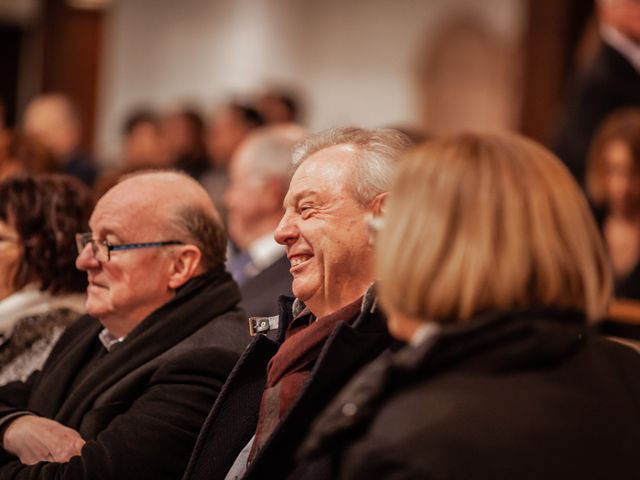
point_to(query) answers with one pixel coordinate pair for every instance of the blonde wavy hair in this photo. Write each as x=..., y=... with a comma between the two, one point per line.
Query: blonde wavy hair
x=485, y=222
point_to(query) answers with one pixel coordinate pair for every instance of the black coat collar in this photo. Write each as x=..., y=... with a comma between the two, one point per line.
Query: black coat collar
x=493, y=343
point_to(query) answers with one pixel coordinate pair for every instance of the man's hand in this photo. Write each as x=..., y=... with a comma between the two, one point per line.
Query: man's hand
x=36, y=439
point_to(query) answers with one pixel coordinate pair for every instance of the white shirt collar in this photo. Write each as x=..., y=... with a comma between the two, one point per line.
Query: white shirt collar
x=108, y=340
x=623, y=44
x=425, y=333
x=264, y=251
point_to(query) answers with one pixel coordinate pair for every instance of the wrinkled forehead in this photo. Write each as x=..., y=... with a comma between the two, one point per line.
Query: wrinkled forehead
x=329, y=171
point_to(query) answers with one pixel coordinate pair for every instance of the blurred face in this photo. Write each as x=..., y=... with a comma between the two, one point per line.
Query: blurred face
x=246, y=207
x=180, y=136
x=10, y=253
x=49, y=121
x=225, y=134
x=325, y=233
x=144, y=146
x=134, y=283
x=622, y=182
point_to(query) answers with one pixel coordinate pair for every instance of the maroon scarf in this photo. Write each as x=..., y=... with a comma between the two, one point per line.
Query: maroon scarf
x=291, y=366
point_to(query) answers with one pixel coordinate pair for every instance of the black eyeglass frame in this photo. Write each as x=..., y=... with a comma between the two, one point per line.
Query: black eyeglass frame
x=83, y=239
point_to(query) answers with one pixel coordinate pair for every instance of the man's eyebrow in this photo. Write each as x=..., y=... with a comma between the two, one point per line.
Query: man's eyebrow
x=307, y=192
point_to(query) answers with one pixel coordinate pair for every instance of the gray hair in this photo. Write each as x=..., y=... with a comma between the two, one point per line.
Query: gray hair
x=205, y=231
x=377, y=152
x=268, y=151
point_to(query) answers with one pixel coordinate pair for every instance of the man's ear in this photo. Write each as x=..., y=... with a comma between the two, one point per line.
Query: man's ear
x=185, y=265
x=378, y=204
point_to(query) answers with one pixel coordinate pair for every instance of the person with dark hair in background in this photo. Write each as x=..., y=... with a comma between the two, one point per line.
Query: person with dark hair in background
x=53, y=120
x=41, y=291
x=21, y=154
x=611, y=81
x=183, y=131
x=125, y=390
x=491, y=267
x=260, y=172
x=279, y=106
x=228, y=127
x=142, y=148
x=143, y=145
x=613, y=185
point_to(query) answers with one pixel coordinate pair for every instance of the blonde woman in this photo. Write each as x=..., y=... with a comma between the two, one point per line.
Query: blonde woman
x=491, y=268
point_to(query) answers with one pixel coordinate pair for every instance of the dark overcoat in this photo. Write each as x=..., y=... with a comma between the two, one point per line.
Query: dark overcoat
x=233, y=419
x=524, y=395
x=140, y=406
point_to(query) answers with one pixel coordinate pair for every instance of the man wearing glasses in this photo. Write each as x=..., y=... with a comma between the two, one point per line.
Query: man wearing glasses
x=127, y=387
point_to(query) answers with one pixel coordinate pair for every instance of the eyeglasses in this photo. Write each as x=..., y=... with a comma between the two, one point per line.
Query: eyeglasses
x=102, y=249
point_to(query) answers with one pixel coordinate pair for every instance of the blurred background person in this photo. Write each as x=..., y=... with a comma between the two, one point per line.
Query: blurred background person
x=143, y=144
x=52, y=120
x=259, y=176
x=183, y=131
x=502, y=370
x=228, y=127
x=19, y=153
x=610, y=81
x=41, y=291
x=613, y=184
x=143, y=147
x=279, y=106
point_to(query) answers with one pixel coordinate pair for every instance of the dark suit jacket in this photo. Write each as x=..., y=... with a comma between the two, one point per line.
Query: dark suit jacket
x=141, y=405
x=233, y=419
x=260, y=293
x=610, y=82
x=526, y=395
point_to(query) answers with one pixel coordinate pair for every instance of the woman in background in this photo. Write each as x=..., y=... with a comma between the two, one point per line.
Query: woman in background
x=41, y=291
x=491, y=267
x=613, y=184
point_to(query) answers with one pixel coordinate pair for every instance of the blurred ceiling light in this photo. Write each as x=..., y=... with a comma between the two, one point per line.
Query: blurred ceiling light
x=89, y=4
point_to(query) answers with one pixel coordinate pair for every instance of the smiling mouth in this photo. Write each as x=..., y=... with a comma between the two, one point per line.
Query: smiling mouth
x=299, y=260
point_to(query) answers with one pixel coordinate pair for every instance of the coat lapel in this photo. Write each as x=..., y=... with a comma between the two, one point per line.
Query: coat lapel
x=232, y=421
x=62, y=369
x=347, y=350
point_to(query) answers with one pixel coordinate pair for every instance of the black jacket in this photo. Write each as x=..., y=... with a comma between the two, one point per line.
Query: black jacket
x=260, y=293
x=233, y=419
x=140, y=406
x=524, y=395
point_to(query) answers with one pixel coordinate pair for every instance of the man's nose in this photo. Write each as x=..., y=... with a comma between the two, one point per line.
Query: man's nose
x=85, y=259
x=287, y=231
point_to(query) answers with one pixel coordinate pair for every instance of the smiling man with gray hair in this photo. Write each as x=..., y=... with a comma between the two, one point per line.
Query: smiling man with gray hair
x=302, y=357
x=259, y=175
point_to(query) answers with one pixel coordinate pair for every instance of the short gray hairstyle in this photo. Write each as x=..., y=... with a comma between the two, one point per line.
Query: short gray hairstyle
x=377, y=152
x=205, y=231
x=268, y=151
